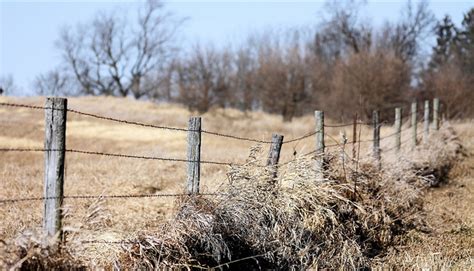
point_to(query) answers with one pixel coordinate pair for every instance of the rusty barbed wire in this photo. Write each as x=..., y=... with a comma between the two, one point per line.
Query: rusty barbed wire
x=128, y=121
x=337, y=143
x=241, y=138
x=36, y=107
x=300, y=138
x=127, y=196
x=347, y=124
x=115, y=155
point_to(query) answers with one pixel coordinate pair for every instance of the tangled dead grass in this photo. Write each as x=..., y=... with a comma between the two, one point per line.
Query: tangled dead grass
x=300, y=221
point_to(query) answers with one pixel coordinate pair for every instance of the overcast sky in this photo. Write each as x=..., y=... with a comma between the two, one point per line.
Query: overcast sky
x=28, y=29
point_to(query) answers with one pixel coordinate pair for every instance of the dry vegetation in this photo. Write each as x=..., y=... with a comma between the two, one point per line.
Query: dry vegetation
x=391, y=219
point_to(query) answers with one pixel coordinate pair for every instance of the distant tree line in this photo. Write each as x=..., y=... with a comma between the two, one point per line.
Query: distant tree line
x=342, y=66
x=450, y=73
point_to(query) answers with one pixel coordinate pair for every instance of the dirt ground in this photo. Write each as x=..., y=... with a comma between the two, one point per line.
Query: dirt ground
x=447, y=241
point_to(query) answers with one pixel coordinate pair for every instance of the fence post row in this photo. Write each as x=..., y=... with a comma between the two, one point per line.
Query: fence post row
x=413, y=123
x=274, y=153
x=376, y=147
x=398, y=127
x=319, y=115
x=54, y=156
x=194, y=155
x=426, y=121
x=436, y=114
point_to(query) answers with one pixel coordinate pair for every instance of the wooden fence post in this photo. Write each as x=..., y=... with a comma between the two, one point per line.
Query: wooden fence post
x=354, y=137
x=376, y=147
x=54, y=156
x=436, y=114
x=413, y=123
x=274, y=153
x=398, y=127
x=319, y=140
x=194, y=155
x=426, y=121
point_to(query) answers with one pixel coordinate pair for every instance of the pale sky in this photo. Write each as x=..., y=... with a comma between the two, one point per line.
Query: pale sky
x=28, y=29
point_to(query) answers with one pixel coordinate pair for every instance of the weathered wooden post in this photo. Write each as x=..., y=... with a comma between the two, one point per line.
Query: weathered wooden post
x=319, y=140
x=354, y=136
x=426, y=121
x=54, y=156
x=274, y=153
x=376, y=146
x=413, y=123
x=194, y=155
x=436, y=114
x=398, y=127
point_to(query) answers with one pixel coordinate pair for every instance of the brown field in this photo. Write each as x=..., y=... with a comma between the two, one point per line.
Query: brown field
x=447, y=210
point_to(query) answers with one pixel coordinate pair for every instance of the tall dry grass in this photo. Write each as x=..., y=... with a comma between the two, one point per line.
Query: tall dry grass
x=300, y=221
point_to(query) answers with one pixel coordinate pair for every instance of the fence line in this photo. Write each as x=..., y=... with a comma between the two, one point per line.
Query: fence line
x=348, y=124
x=55, y=152
x=339, y=144
x=141, y=124
x=336, y=144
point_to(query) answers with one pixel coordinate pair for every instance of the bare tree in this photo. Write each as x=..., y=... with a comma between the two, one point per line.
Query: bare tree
x=204, y=78
x=54, y=83
x=113, y=57
x=343, y=32
x=405, y=37
x=8, y=86
x=244, y=95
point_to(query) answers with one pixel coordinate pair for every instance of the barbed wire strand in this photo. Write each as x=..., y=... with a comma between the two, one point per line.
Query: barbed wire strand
x=128, y=196
x=404, y=115
x=114, y=155
x=128, y=121
x=300, y=138
x=346, y=124
x=36, y=107
x=241, y=138
x=403, y=142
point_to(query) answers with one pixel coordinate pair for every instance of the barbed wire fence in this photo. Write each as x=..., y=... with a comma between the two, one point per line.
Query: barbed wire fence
x=55, y=136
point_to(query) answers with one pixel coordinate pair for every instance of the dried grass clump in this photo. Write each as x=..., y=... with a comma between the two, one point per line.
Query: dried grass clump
x=32, y=251
x=300, y=220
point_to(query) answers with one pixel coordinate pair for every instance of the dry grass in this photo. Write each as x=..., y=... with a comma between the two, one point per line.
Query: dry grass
x=302, y=221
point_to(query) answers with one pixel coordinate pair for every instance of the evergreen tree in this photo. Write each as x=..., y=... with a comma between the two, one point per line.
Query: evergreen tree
x=465, y=44
x=445, y=36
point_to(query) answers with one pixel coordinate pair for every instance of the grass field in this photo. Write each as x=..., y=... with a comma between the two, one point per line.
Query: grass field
x=447, y=209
